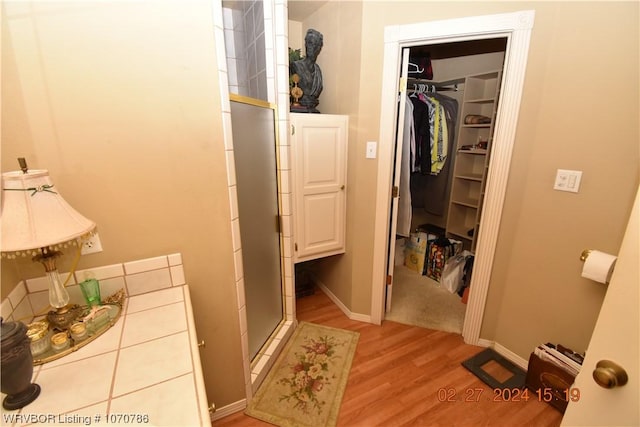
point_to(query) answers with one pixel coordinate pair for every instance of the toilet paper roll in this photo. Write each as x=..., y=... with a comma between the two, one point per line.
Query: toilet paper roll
x=598, y=266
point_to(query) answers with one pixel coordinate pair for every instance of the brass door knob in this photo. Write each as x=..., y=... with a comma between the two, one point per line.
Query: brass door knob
x=609, y=374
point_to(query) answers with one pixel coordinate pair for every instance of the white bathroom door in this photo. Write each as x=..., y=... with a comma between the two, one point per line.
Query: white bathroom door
x=615, y=338
x=393, y=226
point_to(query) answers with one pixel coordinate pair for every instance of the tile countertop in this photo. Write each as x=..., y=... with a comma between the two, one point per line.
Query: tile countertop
x=145, y=370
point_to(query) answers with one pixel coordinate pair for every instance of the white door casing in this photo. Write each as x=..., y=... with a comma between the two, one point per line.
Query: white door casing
x=319, y=157
x=615, y=337
x=516, y=27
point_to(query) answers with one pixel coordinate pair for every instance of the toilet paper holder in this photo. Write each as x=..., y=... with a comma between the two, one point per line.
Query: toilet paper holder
x=585, y=255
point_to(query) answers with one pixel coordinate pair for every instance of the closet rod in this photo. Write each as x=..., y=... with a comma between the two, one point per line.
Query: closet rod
x=431, y=88
x=447, y=82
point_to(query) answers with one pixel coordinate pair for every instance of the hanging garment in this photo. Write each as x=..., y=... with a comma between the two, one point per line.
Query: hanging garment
x=408, y=151
x=430, y=191
x=438, y=134
x=429, y=141
x=437, y=187
x=436, y=138
x=422, y=126
x=439, y=154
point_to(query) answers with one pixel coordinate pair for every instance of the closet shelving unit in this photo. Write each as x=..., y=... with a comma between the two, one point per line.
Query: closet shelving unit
x=471, y=162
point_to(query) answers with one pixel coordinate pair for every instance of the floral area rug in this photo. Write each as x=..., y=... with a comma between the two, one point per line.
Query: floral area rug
x=306, y=384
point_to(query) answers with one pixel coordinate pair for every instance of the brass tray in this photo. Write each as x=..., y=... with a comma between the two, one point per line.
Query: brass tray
x=114, y=311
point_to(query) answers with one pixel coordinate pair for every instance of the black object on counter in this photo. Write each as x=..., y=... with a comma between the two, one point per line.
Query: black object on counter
x=17, y=366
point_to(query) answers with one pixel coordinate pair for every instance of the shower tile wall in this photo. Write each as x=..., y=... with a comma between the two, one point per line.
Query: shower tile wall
x=269, y=39
x=244, y=32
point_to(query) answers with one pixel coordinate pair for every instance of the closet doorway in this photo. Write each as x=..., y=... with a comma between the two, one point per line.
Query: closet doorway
x=516, y=28
x=441, y=155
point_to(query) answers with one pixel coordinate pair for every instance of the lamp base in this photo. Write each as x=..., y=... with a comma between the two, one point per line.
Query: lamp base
x=16, y=401
x=64, y=317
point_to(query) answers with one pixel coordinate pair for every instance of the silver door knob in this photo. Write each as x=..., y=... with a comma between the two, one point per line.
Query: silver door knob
x=609, y=374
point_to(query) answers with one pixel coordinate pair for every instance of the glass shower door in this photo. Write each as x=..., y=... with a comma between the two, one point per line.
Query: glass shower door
x=254, y=144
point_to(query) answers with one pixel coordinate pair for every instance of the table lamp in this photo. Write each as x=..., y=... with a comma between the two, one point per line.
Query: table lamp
x=38, y=222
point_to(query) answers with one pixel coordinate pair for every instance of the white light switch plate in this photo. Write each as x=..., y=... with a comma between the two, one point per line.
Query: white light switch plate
x=371, y=149
x=567, y=180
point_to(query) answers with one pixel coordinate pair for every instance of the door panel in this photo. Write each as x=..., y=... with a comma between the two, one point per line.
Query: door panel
x=616, y=337
x=321, y=221
x=321, y=158
x=319, y=149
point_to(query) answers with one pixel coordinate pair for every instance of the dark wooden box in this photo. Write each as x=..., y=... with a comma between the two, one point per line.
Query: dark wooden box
x=549, y=382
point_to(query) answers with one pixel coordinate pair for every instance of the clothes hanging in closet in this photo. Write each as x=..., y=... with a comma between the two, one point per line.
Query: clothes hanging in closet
x=434, y=122
x=403, y=227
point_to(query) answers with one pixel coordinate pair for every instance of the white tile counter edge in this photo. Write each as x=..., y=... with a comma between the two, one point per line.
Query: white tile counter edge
x=203, y=405
x=113, y=352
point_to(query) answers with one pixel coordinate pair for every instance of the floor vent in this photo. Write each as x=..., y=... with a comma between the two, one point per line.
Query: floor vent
x=496, y=371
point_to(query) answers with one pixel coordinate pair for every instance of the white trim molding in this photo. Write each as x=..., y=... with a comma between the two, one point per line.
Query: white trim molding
x=516, y=27
x=505, y=352
x=353, y=316
x=230, y=409
x=510, y=355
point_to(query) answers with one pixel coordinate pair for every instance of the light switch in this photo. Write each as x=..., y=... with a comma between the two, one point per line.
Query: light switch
x=371, y=149
x=568, y=180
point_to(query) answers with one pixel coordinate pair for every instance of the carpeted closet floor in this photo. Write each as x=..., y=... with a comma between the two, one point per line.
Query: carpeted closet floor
x=420, y=301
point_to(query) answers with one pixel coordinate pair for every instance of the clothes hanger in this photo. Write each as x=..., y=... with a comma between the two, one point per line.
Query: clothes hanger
x=415, y=89
x=417, y=70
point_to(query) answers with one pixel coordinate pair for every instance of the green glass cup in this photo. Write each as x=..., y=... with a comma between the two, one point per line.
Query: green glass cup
x=91, y=292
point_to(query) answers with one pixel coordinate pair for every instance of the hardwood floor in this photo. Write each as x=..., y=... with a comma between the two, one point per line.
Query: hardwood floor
x=404, y=376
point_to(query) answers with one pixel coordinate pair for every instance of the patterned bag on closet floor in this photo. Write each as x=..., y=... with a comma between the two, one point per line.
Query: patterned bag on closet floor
x=438, y=253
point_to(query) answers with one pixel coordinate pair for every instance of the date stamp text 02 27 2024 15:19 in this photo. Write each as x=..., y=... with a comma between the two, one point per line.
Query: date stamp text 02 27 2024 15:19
x=508, y=395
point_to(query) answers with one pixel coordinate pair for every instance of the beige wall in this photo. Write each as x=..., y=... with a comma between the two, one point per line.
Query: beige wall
x=120, y=102
x=296, y=40
x=579, y=111
x=340, y=59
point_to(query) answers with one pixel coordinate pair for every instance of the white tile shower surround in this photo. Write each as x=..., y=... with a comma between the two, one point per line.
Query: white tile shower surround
x=147, y=363
x=277, y=72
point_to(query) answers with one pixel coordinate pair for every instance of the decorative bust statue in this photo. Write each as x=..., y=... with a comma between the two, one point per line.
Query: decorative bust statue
x=309, y=73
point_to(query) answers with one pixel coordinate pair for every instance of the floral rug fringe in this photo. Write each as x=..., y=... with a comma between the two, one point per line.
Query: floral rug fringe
x=306, y=384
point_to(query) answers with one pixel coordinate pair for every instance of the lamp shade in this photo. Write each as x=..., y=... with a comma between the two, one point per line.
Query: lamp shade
x=35, y=216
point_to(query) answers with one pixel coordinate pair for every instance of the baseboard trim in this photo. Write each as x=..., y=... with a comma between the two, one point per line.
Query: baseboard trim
x=485, y=343
x=510, y=355
x=505, y=352
x=232, y=408
x=353, y=316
